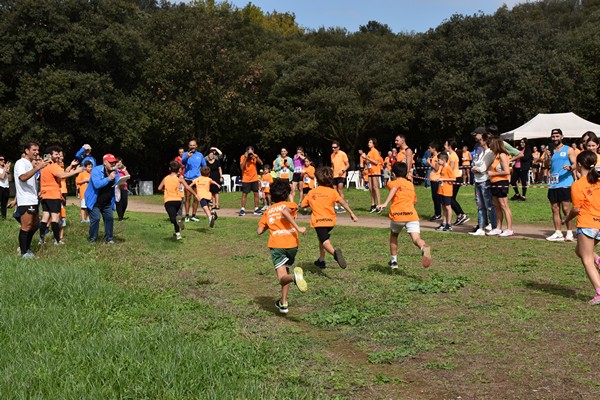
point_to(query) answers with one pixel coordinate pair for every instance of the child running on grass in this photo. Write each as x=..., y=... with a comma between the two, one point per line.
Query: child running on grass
x=446, y=181
x=265, y=182
x=280, y=220
x=173, y=186
x=403, y=214
x=202, y=184
x=585, y=195
x=322, y=200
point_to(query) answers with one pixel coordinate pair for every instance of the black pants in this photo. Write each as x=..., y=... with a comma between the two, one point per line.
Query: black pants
x=121, y=205
x=519, y=174
x=437, y=204
x=4, y=193
x=173, y=208
x=454, y=204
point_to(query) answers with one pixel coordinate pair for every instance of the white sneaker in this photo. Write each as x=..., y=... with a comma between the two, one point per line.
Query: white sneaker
x=556, y=237
x=478, y=232
x=506, y=233
x=488, y=228
x=494, y=232
x=177, y=236
x=569, y=237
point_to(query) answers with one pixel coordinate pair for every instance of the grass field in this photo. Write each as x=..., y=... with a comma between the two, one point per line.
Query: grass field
x=153, y=318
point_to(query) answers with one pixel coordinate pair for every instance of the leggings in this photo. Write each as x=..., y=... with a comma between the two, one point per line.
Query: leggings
x=173, y=208
x=121, y=205
x=522, y=175
x=3, y=200
x=437, y=204
x=454, y=204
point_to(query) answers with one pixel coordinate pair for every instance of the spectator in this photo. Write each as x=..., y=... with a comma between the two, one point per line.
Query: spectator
x=249, y=162
x=193, y=160
x=123, y=196
x=4, y=185
x=432, y=163
x=373, y=163
x=453, y=162
x=216, y=174
x=340, y=165
x=486, y=211
x=521, y=167
x=85, y=154
x=499, y=173
x=100, y=198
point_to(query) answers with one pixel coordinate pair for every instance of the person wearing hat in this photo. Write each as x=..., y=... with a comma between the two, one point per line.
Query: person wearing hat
x=100, y=198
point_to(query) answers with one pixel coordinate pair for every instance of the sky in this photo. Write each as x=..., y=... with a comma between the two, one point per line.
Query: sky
x=399, y=15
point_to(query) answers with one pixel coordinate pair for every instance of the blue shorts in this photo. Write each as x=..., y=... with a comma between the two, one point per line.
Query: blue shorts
x=592, y=233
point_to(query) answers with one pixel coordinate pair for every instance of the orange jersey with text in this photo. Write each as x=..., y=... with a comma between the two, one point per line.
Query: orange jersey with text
x=586, y=197
x=203, y=187
x=308, y=177
x=445, y=188
x=338, y=163
x=250, y=171
x=173, y=189
x=282, y=235
x=81, y=185
x=321, y=201
x=50, y=183
x=404, y=200
x=265, y=182
x=374, y=168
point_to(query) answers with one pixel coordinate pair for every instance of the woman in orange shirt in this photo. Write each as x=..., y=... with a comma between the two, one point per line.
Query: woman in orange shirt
x=433, y=180
x=585, y=195
x=373, y=164
x=499, y=174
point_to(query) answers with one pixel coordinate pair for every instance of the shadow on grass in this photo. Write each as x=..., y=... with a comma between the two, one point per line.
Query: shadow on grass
x=313, y=269
x=556, y=290
x=386, y=270
x=268, y=304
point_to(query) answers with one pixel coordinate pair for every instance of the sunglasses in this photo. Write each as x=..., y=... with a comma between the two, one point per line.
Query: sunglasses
x=334, y=147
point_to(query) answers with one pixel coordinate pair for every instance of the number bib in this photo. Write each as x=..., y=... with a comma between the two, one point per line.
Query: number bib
x=553, y=179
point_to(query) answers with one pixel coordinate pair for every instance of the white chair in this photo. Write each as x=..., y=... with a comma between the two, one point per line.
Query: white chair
x=226, y=183
x=236, y=182
x=531, y=177
x=353, y=177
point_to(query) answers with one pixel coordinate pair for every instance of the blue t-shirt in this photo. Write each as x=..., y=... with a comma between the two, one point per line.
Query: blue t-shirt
x=560, y=177
x=193, y=165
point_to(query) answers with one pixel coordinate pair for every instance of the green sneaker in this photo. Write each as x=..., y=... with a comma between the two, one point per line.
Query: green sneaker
x=283, y=308
x=299, y=279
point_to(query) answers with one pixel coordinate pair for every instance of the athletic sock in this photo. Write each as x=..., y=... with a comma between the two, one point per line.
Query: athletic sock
x=56, y=231
x=558, y=232
x=394, y=259
x=43, y=227
x=23, y=241
x=321, y=259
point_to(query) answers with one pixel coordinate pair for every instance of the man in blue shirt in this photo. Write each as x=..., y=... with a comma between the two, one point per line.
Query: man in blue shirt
x=100, y=198
x=85, y=154
x=193, y=160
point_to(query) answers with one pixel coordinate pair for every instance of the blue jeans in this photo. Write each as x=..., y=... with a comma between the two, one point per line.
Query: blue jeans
x=107, y=216
x=485, y=206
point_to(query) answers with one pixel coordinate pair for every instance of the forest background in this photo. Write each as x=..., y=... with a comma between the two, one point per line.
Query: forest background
x=140, y=78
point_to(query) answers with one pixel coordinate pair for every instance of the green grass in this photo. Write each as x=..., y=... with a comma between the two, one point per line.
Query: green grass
x=153, y=318
x=535, y=211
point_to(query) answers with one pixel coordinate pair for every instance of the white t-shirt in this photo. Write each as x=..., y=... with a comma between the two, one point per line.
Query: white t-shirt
x=3, y=182
x=26, y=191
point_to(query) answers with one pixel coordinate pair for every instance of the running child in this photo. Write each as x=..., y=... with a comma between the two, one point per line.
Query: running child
x=82, y=181
x=202, y=184
x=585, y=195
x=445, y=191
x=403, y=214
x=265, y=182
x=173, y=186
x=280, y=220
x=308, y=178
x=322, y=200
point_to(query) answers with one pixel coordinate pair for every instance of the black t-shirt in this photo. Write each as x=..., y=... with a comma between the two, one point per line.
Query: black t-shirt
x=105, y=194
x=214, y=169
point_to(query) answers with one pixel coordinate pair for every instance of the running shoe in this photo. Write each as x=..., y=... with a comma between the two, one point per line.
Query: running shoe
x=264, y=208
x=373, y=208
x=488, y=227
x=340, y=210
x=461, y=219
x=426, y=253
x=59, y=242
x=556, y=237
x=177, y=236
x=594, y=300
x=478, y=232
x=494, y=232
x=506, y=233
x=440, y=228
x=257, y=211
x=523, y=198
x=515, y=197
x=337, y=256
x=393, y=264
x=435, y=218
x=195, y=219
x=447, y=228
x=321, y=264
x=211, y=221
x=180, y=222
x=29, y=254
x=569, y=237
x=283, y=308
x=299, y=280
x=242, y=213
x=187, y=218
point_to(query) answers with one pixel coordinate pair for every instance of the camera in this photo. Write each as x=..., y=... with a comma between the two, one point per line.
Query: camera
x=46, y=157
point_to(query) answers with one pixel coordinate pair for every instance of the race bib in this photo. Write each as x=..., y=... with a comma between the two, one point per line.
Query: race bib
x=368, y=165
x=306, y=180
x=265, y=184
x=553, y=179
x=297, y=170
x=180, y=188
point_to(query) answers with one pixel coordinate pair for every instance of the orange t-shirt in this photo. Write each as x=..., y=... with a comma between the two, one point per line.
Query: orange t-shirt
x=82, y=186
x=250, y=172
x=453, y=157
x=338, y=163
x=265, y=182
x=434, y=174
x=321, y=200
x=586, y=197
x=308, y=177
x=282, y=235
x=173, y=190
x=387, y=164
x=401, y=156
x=466, y=158
x=445, y=188
x=50, y=183
x=497, y=167
x=372, y=168
x=203, y=187
x=403, y=204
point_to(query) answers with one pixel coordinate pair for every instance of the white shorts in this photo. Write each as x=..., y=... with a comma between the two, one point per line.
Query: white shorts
x=411, y=226
x=83, y=203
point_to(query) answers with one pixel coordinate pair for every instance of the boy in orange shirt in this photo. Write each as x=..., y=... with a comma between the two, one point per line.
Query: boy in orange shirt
x=82, y=181
x=173, y=185
x=280, y=220
x=403, y=214
x=445, y=191
x=265, y=183
x=202, y=184
x=322, y=200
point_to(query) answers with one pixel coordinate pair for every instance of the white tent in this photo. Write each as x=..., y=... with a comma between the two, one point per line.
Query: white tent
x=572, y=126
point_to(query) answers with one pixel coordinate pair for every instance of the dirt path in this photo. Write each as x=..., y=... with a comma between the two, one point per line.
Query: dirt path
x=379, y=221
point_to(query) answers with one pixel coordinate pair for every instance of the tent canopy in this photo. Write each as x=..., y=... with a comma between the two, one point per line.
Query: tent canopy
x=572, y=126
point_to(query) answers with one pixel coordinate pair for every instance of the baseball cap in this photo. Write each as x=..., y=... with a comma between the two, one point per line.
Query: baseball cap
x=480, y=130
x=109, y=157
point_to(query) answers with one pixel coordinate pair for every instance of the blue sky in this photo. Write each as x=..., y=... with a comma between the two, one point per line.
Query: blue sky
x=400, y=15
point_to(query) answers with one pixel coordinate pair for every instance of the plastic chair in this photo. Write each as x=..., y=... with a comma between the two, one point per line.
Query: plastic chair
x=236, y=182
x=226, y=186
x=353, y=177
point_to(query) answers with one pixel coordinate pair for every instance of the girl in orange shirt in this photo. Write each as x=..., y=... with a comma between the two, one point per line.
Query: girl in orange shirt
x=308, y=178
x=585, y=194
x=173, y=186
x=373, y=164
x=466, y=165
x=446, y=179
x=499, y=174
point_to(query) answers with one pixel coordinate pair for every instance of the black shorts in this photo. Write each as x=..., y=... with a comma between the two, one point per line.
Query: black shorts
x=445, y=200
x=22, y=210
x=305, y=190
x=374, y=176
x=337, y=181
x=297, y=177
x=248, y=187
x=500, y=189
x=51, y=205
x=558, y=195
x=214, y=189
x=323, y=233
x=203, y=203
